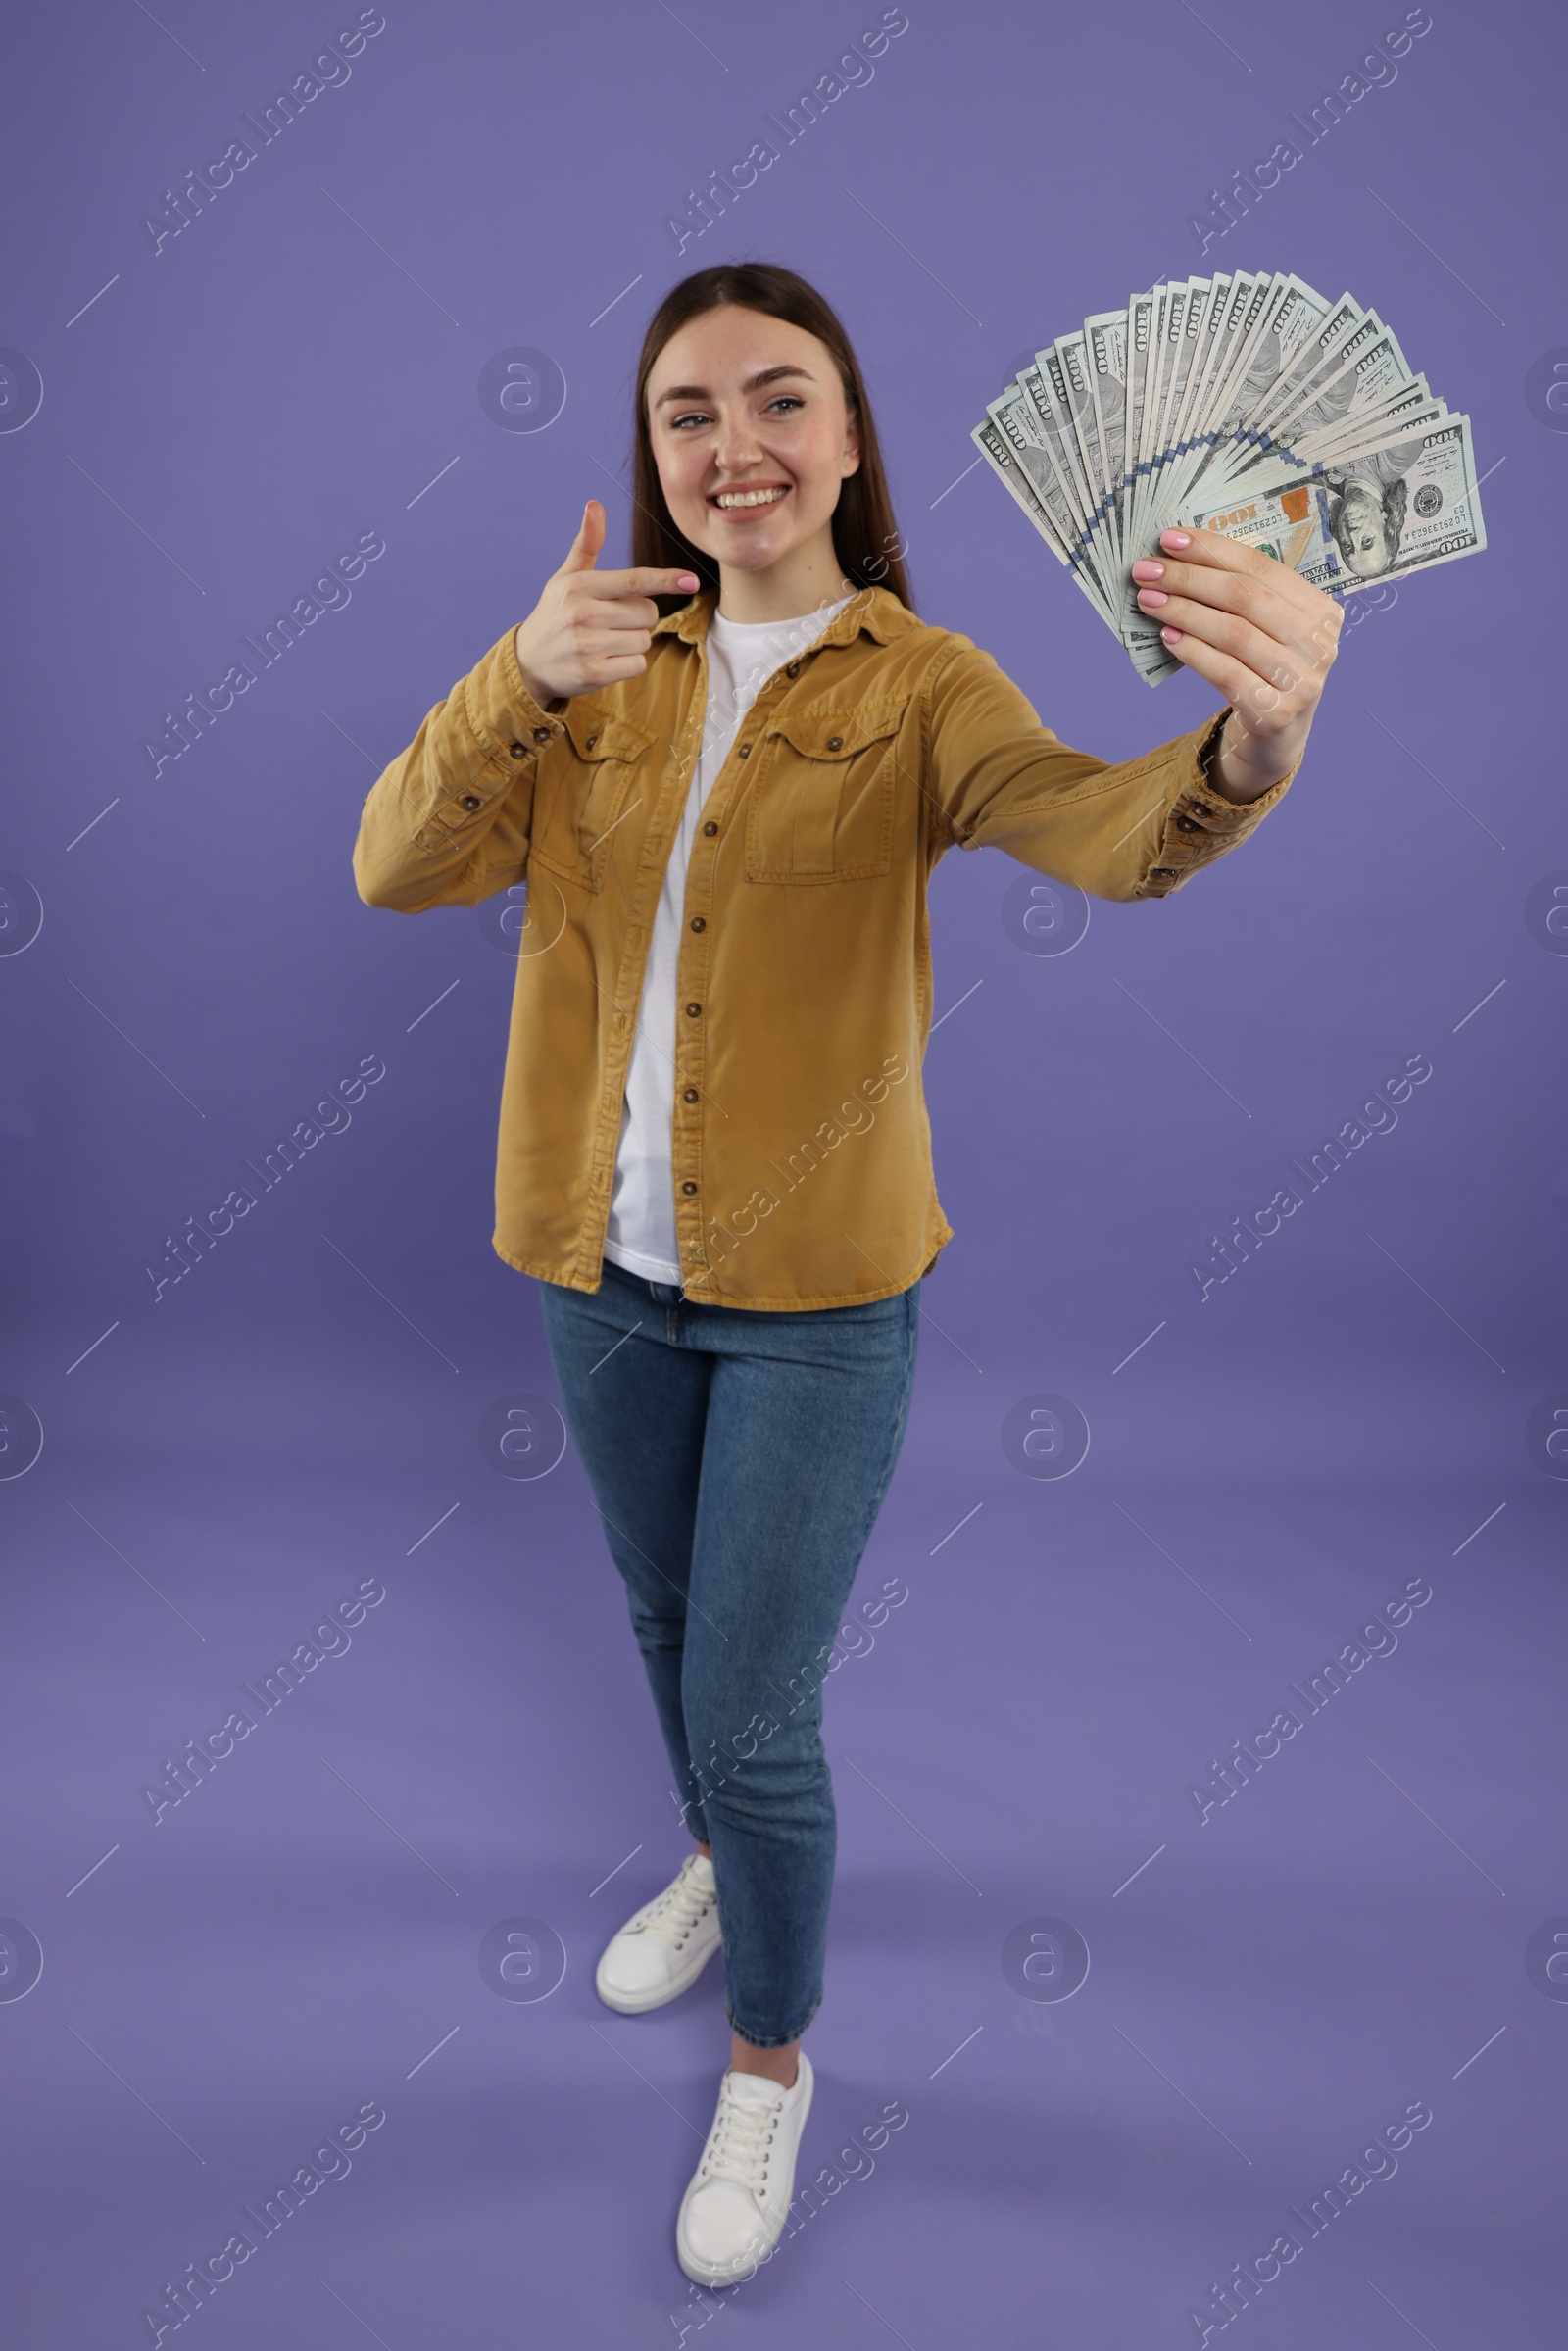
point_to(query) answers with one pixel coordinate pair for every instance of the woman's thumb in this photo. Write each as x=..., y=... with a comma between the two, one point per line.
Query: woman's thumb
x=590, y=538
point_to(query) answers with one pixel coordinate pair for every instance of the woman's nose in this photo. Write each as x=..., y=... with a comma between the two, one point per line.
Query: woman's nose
x=736, y=444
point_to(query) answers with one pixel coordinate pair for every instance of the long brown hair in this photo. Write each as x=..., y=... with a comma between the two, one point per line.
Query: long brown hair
x=865, y=537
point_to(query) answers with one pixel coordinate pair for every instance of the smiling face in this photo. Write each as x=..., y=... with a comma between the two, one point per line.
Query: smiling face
x=753, y=439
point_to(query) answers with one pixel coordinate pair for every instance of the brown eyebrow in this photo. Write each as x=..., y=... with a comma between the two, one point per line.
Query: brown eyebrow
x=753, y=383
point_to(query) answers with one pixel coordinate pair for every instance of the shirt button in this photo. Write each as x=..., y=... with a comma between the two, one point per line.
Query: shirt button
x=693, y=1009
x=1161, y=873
x=746, y=751
x=691, y=1094
x=519, y=750
x=835, y=742
x=688, y=1186
x=541, y=734
x=1184, y=825
x=470, y=800
x=710, y=827
x=699, y=922
x=589, y=742
x=792, y=669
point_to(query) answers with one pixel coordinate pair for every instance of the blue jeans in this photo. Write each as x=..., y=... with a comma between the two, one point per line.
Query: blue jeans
x=738, y=1460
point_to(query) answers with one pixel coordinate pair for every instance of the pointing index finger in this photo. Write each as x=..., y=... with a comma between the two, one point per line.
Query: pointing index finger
x=644, y=581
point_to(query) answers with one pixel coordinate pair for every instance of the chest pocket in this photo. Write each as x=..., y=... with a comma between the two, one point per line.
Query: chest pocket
x=589, y=780
x=823, y=797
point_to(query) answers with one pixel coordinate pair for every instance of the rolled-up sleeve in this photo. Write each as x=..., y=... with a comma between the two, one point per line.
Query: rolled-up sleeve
x=447, y=821
x=1000, y=779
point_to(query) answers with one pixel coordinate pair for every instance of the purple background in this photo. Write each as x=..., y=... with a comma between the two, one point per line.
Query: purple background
x=222, y=419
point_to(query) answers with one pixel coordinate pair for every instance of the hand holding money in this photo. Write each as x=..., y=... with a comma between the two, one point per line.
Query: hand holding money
x=1255, y=629
x=1240, y=408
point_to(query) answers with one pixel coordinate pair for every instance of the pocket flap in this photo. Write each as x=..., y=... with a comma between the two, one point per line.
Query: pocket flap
x=839, y=734
x=596, y=735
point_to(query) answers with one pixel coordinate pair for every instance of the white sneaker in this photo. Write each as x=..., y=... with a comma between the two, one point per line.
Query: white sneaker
x=664, y=1946
x=734, y=2210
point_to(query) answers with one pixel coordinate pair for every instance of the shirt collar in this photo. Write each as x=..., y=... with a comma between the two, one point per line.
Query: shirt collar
x=881, y=614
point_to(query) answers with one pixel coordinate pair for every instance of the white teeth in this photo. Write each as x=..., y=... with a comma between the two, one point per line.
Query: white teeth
x=728, y=498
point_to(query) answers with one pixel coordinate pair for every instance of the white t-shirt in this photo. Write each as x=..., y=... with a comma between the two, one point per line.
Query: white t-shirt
x=741, y=656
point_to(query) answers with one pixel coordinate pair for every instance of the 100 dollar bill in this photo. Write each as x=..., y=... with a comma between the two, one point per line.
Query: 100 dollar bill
x=1349, y=524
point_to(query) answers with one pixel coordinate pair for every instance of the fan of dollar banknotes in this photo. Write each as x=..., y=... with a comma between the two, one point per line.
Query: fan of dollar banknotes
x=1244, y=405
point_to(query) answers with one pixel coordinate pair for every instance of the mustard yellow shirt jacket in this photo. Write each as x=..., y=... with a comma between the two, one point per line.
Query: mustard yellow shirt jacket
x=802, y=1146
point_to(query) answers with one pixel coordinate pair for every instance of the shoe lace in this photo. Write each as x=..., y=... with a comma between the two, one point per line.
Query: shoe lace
x=678, y=1909
x=737, y=2150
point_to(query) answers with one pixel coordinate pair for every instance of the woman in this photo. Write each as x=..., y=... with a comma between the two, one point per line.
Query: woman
x=714, y=1155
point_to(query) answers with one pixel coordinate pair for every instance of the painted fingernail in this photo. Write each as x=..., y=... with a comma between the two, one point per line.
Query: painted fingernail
x=1175, y=538
x=1170, y=635
x=1147, y=569
x=1153, y=598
